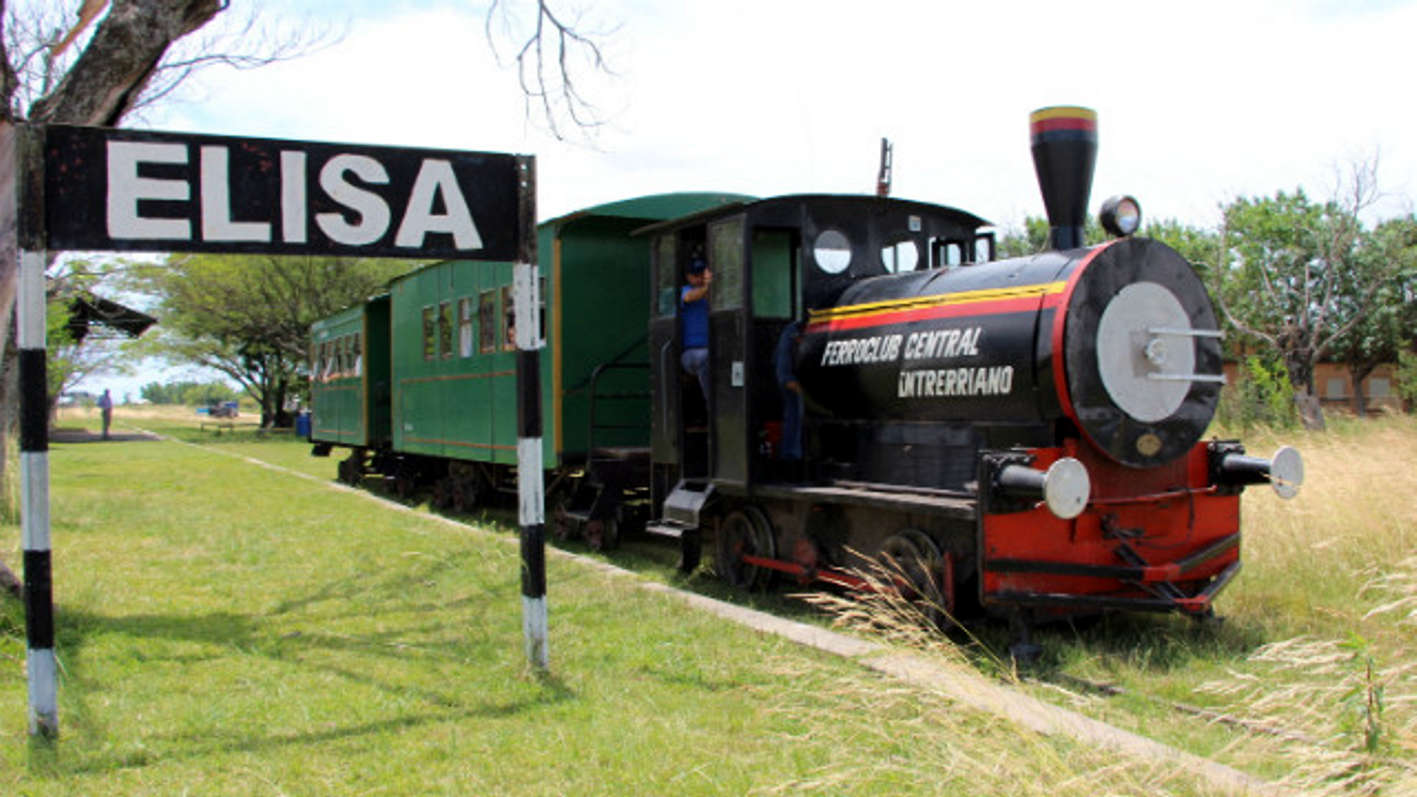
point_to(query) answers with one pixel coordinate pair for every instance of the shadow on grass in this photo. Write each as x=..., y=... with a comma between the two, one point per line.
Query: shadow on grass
x=250, y=635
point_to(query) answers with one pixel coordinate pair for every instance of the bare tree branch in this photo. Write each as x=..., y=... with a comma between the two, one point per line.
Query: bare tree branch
x=555, y=92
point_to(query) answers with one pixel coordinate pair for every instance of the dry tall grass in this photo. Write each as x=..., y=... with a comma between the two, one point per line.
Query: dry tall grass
x=1332, y=578
x=1330, y=585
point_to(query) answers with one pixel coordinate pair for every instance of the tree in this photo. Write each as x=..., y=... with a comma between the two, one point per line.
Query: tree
x=1387, y=317
x=1290, y=274
x=249, y=316
x=191, y=393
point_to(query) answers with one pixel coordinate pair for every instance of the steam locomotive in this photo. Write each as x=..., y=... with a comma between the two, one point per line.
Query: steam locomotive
x=1025, y=434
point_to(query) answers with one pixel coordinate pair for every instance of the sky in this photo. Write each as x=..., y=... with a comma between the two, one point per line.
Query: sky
x=1198, y=103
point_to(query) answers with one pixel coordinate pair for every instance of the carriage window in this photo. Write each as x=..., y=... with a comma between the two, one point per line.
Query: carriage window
x=445, y=329
x=541, y=303
x=315, y=361
x=356, y=366
x=832, y=251
x=900, y=257
x=464, y=327
x=725, y=258
x=509, y=318
x=342, y=357
x=430, y=332
x=666, y=275
x=487, y=322
x=327, y=363
x=773, y=257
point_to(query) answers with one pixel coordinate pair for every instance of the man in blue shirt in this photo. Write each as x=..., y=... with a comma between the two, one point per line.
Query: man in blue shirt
x=693, y=320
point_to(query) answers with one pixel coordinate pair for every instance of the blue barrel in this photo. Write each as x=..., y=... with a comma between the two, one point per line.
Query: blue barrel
x=302, y=424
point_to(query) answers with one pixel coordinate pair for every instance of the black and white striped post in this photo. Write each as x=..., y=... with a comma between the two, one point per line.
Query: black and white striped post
x=530, y=490
x=34, y=500
x=40, y=664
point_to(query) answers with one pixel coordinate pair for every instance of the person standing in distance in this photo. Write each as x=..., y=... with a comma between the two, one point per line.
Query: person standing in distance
x=693, y=320
x=105, y=407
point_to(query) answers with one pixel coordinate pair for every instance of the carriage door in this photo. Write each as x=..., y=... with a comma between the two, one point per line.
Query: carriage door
x=729, y=345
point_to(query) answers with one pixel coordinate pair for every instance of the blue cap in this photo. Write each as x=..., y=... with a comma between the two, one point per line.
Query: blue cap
x=697, y=266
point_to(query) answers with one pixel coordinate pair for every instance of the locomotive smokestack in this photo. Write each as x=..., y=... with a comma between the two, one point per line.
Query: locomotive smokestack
x=1064, y=151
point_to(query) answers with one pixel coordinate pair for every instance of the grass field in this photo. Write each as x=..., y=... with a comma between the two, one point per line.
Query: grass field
x=225, y=628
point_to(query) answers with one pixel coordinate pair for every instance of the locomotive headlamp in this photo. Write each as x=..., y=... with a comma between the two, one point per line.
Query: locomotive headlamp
x=1121, y=216
x=1284, y=471
x=1065, y=487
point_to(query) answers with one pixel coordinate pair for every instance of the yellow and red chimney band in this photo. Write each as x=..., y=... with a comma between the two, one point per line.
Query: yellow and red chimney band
x=1062, y=123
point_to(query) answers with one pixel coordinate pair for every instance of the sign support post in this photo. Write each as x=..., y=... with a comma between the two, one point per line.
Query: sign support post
x=530, y=489
x=40, y=664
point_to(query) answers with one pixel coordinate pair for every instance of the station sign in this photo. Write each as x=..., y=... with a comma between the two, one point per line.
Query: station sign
x=130, y=190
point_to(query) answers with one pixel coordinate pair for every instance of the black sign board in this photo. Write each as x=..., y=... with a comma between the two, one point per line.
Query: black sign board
x=132, y=190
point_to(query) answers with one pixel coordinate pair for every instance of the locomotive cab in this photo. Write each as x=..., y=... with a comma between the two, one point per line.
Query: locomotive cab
x=774, y=262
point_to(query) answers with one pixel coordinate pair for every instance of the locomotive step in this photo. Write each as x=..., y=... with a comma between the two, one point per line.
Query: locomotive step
x=668, y=528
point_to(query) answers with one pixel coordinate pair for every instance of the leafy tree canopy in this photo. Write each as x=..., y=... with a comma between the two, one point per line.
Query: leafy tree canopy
x=249, y=316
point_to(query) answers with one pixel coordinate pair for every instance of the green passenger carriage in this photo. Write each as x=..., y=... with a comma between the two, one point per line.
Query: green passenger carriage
x=437, y=406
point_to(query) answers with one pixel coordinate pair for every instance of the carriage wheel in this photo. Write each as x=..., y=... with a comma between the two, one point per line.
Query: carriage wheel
x=603, y=535
x=405, y=480
x=562, y=526
x=443, y=493
x=466, y=486
x=351, y=468
x=914, y=555
x=744, y=532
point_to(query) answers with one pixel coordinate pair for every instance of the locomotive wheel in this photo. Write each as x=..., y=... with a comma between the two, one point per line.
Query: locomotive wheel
x=744, y=532
x=603, y=535
x=916, y=556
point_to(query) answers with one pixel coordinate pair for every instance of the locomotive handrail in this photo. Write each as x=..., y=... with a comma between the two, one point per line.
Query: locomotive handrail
x=594, y=397
x=664, y=383
x=1161, y=496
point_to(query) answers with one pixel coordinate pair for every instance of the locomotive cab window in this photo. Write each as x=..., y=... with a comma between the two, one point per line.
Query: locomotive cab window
x=983, y=247
x=725, y=259
x=774, y=256
x=901, y=256
x=487, y=322
x=947, y=252
x=832, y=251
